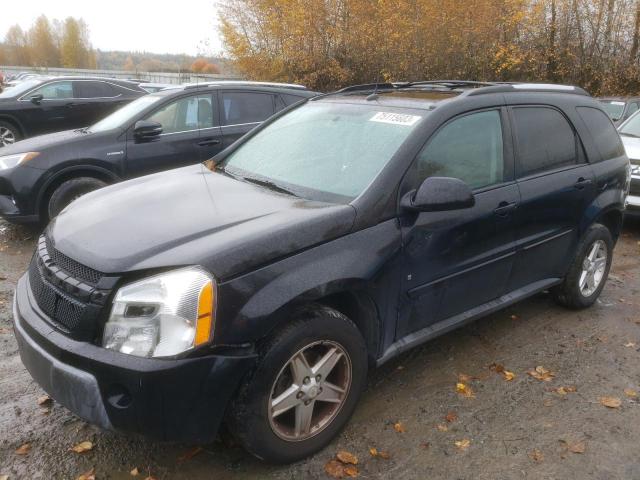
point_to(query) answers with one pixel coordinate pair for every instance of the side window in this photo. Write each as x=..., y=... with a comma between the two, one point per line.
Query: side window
x=88, y=89
x=545, y=140
x=184, y=114
x=633, y=108
x=55, y=91
x=246, y=107
x=469, y=148
x=603, y=132
x=291, y=99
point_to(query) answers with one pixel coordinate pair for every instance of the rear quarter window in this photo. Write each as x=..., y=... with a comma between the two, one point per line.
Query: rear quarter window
x=602, y=131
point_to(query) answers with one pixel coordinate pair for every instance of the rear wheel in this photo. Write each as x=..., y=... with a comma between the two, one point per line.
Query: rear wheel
x=306, y=386
x=589, y=271
x=70, y=190
x=9, y=134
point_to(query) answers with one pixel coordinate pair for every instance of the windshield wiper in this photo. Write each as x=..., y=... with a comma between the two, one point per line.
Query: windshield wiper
x=268, y=184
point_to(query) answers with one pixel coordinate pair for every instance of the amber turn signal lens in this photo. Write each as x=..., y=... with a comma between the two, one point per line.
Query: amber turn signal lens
x=206, y=303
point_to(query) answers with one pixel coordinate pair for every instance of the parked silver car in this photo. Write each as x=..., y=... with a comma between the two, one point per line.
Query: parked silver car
x=629, y=131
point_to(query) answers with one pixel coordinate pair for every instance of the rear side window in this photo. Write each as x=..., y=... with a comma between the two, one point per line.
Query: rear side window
x=468, y=148
x=94, y=90
x=246, y=107
x=602, y=131
x=545, y=140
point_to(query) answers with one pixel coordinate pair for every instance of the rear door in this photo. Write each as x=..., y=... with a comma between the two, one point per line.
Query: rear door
x=187, y=122
x=94, y=100
x=243, y=110
x=556, y=185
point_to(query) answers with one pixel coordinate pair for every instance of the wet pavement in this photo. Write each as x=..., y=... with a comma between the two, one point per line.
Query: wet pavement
x=523, y=428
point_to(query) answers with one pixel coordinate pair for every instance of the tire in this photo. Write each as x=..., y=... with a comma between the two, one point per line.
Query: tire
x=571, y=293
x=315, y=332
x=9, y=134
x=68, y=191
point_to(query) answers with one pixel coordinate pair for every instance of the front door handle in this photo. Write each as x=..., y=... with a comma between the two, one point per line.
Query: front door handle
x=582, y=182
x=209, y=142
x=505, y=208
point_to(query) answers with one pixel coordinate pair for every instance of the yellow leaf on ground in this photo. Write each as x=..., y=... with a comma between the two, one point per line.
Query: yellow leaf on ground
x=630, y=344
x=462, y=444
x=542, y=374
x=379, y=453
x=565, y=390
x=399, y=427
x=44, y=400
x=536, y=455
x=23, y=449
x=631, y=393
x=334, y=469
x=464, y=390
x=82, y=447
x=347, y=457
x=442, y=427
x=135, y=472
x=88, y=475
x=464, y=378
x=611, y=402
x=508, y=376
x=579, y=447
x=351, y=471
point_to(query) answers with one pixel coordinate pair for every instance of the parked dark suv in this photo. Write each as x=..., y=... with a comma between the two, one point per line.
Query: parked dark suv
x=259, y=287
x=168, y=129
x=38, y=106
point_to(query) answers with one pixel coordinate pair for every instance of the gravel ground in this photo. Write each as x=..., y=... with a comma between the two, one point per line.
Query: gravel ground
x=521, y=428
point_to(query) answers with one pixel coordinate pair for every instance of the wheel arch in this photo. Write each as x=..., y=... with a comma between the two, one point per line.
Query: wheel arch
x=14, y=121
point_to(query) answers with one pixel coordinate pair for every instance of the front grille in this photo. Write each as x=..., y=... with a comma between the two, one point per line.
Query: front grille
x=69, y=293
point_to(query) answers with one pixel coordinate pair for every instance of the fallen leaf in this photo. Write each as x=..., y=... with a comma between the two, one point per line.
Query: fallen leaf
x=82, y=447
x=442, y=427
x=631, y=393
x=496, y=367
x=135, y=472
x=508, y=376
x=536, y=455
x=351, y=471
x=347, y=457
x=464, y=378
x=465, y=390
x=44, y=400
x=88, y=475
x=629, y=344
x=611, y=402
x=451, y=417
x=334, y=469
x=4, y=477
x=189, y=454
x=23, y=449
x=548, y=402
x=2, y=332
x=374, y=452
x=565, y=390
x=399, y=427
x=425, y=445
x=579, y=447
x=462, y=444
x=542, y=374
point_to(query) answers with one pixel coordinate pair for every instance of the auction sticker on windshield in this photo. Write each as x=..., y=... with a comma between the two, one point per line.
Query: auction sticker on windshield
x=395, y=118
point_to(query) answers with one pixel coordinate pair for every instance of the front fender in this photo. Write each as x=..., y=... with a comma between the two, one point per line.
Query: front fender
x=252, y=305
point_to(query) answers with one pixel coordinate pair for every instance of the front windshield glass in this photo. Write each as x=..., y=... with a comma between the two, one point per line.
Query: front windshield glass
x=331, y=149
x=20, y=88
x=613, y=108
x=631, y=127
x=121, y=118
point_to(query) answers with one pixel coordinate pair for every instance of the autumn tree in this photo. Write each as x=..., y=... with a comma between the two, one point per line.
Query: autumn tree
x=16, y=47
x=43, y=44
x=202, y=65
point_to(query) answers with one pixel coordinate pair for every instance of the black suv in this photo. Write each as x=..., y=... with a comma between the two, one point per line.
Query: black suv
x=38, y=106
x=259, y=287
x=167, y=129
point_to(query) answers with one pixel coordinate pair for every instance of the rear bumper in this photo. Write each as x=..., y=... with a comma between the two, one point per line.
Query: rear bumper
x=175, y=400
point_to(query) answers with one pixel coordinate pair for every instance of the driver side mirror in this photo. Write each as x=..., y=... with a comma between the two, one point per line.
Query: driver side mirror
x=145, y=130
x=438, y=194
x=36, y=99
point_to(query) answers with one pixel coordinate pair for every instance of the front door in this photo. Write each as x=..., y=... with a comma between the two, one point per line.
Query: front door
x=55, y=112
x=458, y=260
x=556, y=185
x=189, y=134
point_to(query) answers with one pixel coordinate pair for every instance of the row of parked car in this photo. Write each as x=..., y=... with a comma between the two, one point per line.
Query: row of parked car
x=257, y=288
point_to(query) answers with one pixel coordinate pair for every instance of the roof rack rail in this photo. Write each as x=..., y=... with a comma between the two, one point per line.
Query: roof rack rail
x=506, y=87
x=296, y=86
x=365, y=87
x=446, y=83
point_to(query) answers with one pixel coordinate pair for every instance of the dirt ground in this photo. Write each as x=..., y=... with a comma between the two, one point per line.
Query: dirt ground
x=519, y=429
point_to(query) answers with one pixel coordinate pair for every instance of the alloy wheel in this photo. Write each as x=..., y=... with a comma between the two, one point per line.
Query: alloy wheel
x=7, y=137
x=593, y=268
x=309, y=391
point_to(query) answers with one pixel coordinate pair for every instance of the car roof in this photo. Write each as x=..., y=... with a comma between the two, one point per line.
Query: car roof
x=284, y=88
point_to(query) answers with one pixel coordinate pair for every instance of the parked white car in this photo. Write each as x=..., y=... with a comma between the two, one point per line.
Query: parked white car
x=630, y=134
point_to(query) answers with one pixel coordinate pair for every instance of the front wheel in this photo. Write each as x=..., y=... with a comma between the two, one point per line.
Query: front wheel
x=9, y=134
x=589, y=271
x=304, y=389
x=70, y=190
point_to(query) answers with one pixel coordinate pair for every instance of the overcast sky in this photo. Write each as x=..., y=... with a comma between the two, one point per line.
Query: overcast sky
x=152, y=26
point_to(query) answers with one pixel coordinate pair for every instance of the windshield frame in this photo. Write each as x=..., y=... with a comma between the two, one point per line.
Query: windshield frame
x=129, y=121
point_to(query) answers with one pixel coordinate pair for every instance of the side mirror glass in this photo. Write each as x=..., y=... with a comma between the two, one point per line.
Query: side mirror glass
x=438, y=194
x=147, y=130
x=36, y=99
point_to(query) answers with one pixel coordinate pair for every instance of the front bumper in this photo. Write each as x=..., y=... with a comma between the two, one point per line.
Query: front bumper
x=175, y=400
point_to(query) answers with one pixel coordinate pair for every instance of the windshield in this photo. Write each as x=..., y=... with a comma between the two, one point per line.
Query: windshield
x=631, y=127
x=331, y=149
x=120, y=118
x=20, y=88
x=613, y=108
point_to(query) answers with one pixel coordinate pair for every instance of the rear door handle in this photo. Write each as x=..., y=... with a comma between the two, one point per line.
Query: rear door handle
x=209, y=142
x=505, y=208
x=582, y=182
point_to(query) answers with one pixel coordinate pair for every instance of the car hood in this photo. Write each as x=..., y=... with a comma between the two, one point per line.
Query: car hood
x=192, y=216
x=632, y=147
x=35, y=144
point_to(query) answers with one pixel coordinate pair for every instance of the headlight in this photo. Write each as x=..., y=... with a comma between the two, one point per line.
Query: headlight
x=10, y=161
x=163, y=315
